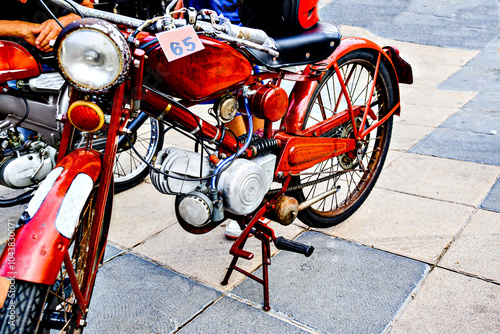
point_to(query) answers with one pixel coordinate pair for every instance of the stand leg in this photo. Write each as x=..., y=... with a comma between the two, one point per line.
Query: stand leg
x=266, y=261
x=264, y=234
x=232, y=266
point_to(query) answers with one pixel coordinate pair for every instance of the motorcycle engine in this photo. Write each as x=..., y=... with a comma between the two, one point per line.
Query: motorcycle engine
x=184, y=167
x=27, y=166
x=240, y=189
x=246, y=182
x=29, y=130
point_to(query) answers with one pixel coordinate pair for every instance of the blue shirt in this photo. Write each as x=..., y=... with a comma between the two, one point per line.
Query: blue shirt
x=229, y=8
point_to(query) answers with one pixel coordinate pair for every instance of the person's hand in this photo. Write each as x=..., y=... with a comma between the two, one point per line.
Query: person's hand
x=25, y=31
x=46, y=32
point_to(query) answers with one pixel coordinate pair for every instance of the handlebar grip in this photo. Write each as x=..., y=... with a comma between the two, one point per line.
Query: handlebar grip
x=293, y=246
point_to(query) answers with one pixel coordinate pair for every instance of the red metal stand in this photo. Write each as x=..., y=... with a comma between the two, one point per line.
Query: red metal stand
x=264, y=234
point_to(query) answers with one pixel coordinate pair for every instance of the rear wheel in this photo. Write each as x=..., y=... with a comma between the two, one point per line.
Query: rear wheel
x=46, y=309
x=354, y=172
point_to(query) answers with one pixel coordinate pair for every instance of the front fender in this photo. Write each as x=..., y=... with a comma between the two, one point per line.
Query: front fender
x=36, y=252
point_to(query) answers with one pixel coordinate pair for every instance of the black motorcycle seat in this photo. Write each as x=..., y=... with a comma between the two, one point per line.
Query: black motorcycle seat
x=308, y=47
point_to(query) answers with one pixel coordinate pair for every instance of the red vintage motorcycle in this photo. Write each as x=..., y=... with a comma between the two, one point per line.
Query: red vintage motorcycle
x=317, y=157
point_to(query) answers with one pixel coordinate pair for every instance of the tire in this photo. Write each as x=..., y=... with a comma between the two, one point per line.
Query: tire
x=37, y=306
x=345, y=170
x=27, y=300
x=129, y=169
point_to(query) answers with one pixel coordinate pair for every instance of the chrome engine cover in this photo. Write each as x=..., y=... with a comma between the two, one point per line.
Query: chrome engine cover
x=51, y=82
x=246, y=182
x=179, y=163
x=20, y=172
x=195, y=209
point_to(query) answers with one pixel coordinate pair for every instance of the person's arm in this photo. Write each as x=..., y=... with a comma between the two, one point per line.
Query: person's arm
x=18, y=29
x=49, y=29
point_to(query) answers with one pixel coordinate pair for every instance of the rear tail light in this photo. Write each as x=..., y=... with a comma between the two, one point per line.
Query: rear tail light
x=86, y=116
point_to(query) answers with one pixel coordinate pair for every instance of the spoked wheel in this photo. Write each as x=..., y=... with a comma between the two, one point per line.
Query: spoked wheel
x=145, y=137
x=355, y=172
x=46, y=309
x=129, y=169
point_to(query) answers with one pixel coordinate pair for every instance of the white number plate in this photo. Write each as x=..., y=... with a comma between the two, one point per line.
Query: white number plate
x=179, y=43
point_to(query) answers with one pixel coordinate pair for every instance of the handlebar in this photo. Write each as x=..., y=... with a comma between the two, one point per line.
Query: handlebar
x=76, y=8
x=249, y=37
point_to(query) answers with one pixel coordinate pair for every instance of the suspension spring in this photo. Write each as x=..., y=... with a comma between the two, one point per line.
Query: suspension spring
x=264, y=146
x=260, y=146
x=318, y=69
x=243, y=138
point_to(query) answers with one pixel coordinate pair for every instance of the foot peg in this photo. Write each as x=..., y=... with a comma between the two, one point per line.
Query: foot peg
x=293, y=246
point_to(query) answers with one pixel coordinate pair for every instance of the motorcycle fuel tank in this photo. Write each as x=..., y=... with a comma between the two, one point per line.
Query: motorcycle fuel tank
x=16, y=62
x=202, y=74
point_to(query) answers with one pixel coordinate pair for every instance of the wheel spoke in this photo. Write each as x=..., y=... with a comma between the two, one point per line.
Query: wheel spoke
x=355, y=183
x=129, y=168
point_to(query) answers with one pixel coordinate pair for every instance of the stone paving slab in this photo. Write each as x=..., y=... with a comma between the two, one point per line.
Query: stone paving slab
x=340, y=288
x=132, y=295
x=492, y=200
x=486, y=100
x=392, y=156
x=412, y=226
x=422, y=21
x=479, y=121
x=444, y=179
x=470, y=79
x=231, y=316
x=9, y=214
x=449, y=302
x=430, y=116
x=477, y=247
x=205, y=257
x=111, y=251
x=486, y=59
x=130, y=225
x=461, y=145
x=429, y=96
x=405, y=136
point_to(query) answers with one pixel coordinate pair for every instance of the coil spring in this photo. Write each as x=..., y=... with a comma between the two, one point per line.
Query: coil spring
x=264, y=146
x=318, y=69
x=260, y=146
x=243, y=138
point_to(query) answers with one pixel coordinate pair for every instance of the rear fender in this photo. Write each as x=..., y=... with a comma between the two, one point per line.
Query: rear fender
x=302, y=91
x=354, y=43
x=36, y=252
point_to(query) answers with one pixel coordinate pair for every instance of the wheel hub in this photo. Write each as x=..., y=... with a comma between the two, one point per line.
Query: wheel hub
x=350, y=160
x=132, y=137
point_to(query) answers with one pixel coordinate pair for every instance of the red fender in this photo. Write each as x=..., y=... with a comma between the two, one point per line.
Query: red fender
x=302, y=91
x=16, y=62
x=36, y=252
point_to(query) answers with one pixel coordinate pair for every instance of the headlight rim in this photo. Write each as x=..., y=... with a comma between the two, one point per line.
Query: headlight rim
x=109, y=30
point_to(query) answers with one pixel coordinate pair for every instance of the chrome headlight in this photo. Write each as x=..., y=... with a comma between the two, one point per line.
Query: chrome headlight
x=93, y=55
